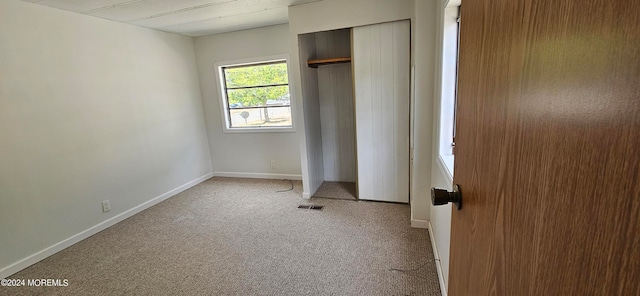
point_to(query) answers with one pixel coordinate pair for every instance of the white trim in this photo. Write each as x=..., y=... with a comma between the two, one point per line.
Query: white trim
x=436, y=256
x=417, y=223
x=223, y=100
x=437, y=87
x=452, y=3
x=444, y=168
x=306, y=195
x=449, y=161
x=36, y=257
x=257, y=175
x=275, y=129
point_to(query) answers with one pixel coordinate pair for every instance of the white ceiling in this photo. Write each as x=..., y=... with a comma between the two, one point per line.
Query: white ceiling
x=186, y=17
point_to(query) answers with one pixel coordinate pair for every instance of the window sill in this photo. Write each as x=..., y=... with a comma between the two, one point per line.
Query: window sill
x=259, y=130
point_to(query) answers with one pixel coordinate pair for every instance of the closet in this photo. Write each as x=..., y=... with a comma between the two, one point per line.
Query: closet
x=356, y=92
x=332, y=72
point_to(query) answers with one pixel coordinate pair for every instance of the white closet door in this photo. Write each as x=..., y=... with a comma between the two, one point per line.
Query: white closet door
x=381, y=70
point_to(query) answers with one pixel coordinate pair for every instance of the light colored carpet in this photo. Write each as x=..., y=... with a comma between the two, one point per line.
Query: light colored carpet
x=240, y=237
x=338, y=190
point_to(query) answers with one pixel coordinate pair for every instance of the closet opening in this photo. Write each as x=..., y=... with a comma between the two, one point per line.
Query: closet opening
x=330, y=66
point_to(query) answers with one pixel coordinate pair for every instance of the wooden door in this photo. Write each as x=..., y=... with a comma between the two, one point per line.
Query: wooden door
x=548, y=149
x=381, y=70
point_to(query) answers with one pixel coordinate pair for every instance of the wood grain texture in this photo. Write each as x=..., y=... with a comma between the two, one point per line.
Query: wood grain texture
x=381, y=66
x=548, y=130
x=331, y=61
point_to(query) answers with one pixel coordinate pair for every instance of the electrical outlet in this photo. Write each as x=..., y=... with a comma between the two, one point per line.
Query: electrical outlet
x=106, y=206
x=273, y=164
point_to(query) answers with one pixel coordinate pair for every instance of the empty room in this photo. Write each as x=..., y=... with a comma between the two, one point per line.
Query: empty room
x=319, y=147
x=157, y=142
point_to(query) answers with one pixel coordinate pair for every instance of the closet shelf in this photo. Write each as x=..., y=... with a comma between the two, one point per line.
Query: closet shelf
x=321, y=62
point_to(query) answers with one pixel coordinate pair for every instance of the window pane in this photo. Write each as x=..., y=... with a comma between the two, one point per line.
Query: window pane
x=268, y=74
x=260, y=117
x=259, y=96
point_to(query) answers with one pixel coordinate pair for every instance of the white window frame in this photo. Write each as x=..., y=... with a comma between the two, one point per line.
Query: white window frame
x=222, y=99
x=450, y=48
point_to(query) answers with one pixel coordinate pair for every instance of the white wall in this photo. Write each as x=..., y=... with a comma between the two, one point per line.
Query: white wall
x=427, y=169
x=440, y=217
x=245, y=154
x=330, y=15
x=424, y=60
x=311, y=158
x=90, y=110
x=441, y=220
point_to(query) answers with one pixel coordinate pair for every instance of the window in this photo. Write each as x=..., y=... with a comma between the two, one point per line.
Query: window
x=256, y=95
x=451, y=36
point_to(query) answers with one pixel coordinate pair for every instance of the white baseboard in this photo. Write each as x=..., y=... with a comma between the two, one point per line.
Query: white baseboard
x=417, y=223
x=257, y=175
x=436, y=255
x=35, y=258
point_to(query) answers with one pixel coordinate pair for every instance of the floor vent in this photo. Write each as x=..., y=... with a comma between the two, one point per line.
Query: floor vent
x=310, y=207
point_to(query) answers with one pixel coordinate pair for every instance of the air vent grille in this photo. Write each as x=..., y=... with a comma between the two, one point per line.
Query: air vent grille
x=311, y=207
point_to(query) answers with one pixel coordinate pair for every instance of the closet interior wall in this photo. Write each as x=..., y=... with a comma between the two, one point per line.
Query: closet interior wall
x=311, y=112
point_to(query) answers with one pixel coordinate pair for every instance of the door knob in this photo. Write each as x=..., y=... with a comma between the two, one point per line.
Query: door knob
x=443, y=197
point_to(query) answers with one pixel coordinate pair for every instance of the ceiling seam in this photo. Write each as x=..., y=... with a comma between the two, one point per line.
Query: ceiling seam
x=224, y=16
x=182, y=10
x=121, y=4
